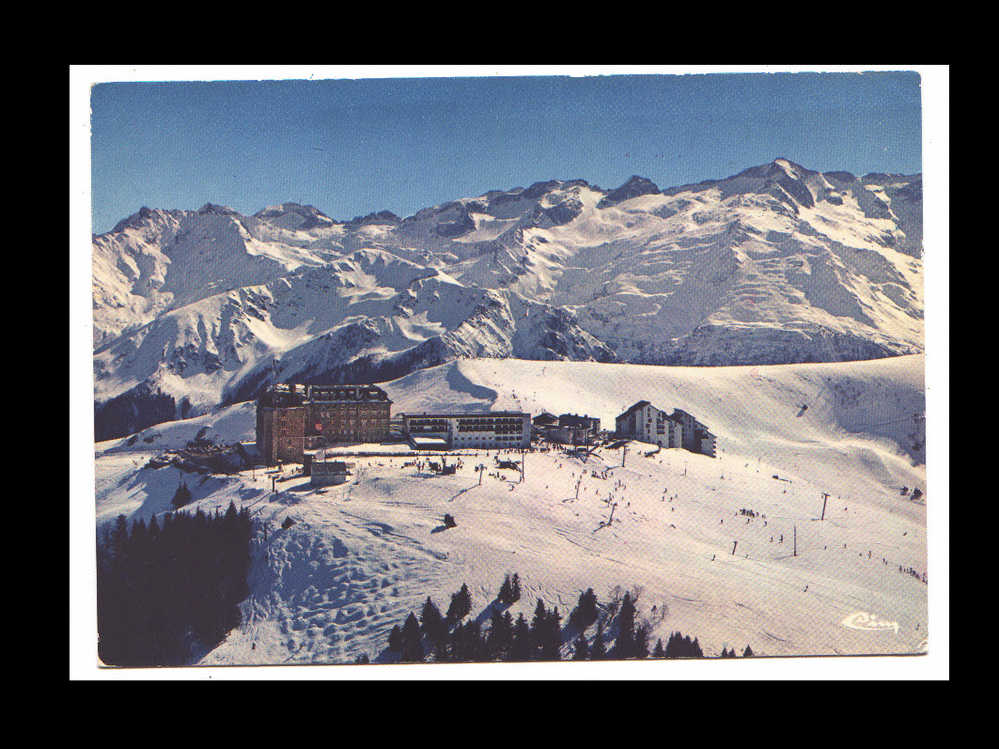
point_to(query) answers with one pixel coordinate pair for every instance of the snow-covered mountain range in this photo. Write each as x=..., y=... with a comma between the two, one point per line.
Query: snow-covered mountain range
x=777, y=264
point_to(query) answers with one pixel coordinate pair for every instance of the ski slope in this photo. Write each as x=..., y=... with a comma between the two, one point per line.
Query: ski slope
x=361, y=556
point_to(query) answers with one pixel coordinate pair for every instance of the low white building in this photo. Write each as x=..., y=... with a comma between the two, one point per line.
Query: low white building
x=488, y=429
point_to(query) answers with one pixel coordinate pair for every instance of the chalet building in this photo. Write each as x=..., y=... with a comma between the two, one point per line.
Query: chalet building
x=589, y=423
x=696, y=436
x=329, y=473
x=645, y=422
x=292, y=418
x=545, y=419
x=571, y=429
x=489, y=429
x=568, y=435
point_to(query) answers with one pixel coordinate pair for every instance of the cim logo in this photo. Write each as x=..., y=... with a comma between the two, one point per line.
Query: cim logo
x=869, y=622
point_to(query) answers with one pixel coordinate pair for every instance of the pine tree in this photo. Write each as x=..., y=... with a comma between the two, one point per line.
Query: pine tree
x=412, y=647
x=461, y=605
x=585, y=612
x=458, y=646
x=642, y=642
x=626, y=646
x=505, y=595
x=671, y=645
x=507, y=640
x=590, y=607
x=550, y=640
x=395, y=639
x=538, y=632
x=119, y=538
x=432, y=624
x=138, y=538
x=500, y=637
x=675, y=646
x=168, y=592
x=680, y=646
x=659, y=651
x=581, y=650
x=521, y=649
x=515, y=588
x=598, y=651
x=182, y=496
x=475, y=643
x=748, y=652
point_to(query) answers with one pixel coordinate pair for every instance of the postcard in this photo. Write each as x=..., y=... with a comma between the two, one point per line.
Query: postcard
x=623, y=367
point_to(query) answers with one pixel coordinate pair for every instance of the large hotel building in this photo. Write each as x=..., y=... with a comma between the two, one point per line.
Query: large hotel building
x=293, y=418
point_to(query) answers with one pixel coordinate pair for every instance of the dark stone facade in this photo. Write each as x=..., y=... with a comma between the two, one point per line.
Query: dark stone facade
x=292, y=418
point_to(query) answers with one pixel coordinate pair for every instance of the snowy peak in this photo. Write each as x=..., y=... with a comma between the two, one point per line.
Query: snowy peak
x=381, y=217
x=795, y=171
x=496, y=213
x=896, y=199
x=775, y=264
x=779, y=168
x=143, y=218
x=634, y=187
x=781, y=179
x=294, y=216
x=217, y=210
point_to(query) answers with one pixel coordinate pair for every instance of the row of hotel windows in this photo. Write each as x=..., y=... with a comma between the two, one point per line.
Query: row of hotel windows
x=481, y=425
x=356, y=421
x=489, y=420
x=428, y=425
x=497, y=425
x=512, y=439
x=514, y=429
x=501, y=429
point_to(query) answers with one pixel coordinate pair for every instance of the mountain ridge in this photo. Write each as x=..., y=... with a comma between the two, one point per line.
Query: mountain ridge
x=775, y=264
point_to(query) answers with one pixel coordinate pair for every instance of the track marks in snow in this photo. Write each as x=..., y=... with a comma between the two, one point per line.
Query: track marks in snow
x=334, y=594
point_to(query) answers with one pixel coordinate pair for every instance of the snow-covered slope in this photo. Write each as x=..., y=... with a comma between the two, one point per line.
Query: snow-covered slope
x=361, y=556
x=775, y=264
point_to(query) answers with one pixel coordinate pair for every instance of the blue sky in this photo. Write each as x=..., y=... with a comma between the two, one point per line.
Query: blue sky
x=351, y=147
